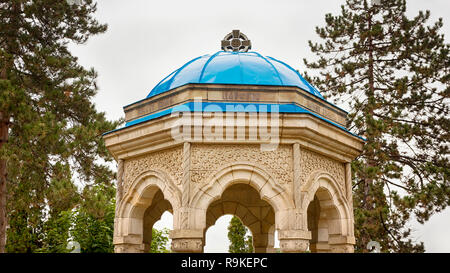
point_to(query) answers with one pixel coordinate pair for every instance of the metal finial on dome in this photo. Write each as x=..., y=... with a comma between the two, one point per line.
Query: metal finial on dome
x=236, y=41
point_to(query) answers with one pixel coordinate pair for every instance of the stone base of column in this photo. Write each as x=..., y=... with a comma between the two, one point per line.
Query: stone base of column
x=128, y=244
x=341, y=244
x=187, y=241
x=294, y=240
x=294, y=245
x=319, y=247
x=342, y=248
x=129, y=248
x=264, y=249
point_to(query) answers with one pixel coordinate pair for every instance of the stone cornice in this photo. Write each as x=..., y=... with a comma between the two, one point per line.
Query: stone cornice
x=311, y=132
x=235, y=93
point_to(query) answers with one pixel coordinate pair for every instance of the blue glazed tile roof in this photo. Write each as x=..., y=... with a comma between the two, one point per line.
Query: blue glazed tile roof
x=234, y=68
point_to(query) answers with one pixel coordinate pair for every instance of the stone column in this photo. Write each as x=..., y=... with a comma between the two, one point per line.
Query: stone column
x=341, y=243
x=128, y=244
x=294, y=240
x=349, y=195
x=119, y=191
x=185, y=237
x=184, y=240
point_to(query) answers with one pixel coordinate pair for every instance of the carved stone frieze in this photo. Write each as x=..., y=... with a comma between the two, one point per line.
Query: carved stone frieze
x=208, y=159
x=168, y=161
x=187, y=245
x=311, y=162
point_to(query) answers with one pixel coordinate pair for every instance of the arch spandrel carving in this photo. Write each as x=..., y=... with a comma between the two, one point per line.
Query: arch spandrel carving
x=139, y=193
x=312, y=162
x=209, y=158
x=168, y=161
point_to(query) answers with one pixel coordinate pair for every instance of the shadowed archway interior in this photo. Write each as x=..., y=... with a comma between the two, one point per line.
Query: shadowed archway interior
x=244, y=201
x=323, y=221
x=152, y=214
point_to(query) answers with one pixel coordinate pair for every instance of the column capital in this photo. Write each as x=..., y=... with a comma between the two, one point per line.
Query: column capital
x=294, y=234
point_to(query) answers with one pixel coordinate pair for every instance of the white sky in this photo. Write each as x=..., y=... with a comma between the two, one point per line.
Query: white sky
x=146, y=40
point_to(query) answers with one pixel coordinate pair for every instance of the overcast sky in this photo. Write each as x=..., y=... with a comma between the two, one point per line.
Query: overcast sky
x=147, y=40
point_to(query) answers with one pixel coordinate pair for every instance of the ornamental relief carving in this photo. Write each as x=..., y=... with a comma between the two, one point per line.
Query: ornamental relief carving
x=310, y=162
x=206, y=159
x=169, y=161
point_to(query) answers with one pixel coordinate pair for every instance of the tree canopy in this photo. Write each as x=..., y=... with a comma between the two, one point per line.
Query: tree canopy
x=51, y=144
x=393, y=73
x=239, y=241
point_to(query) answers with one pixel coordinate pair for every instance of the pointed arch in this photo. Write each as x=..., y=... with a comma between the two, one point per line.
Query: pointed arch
x=139, y=197
x=330, y=196
x=246, y=173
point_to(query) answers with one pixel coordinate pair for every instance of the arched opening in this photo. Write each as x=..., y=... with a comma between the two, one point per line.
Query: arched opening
x=323, y=221
x=146, y=200
x=217, y=235
x=243, y=201
x=152, y=214
x=162, y=228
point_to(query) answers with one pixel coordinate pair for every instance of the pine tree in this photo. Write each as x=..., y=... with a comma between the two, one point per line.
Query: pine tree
x=393, y=71
x=239, y=242
x=50, y=131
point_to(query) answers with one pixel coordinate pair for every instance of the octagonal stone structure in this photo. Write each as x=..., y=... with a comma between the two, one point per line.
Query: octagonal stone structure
x=276, y=156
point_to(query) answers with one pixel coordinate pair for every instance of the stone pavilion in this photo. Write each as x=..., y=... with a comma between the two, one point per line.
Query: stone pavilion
x=235, y=133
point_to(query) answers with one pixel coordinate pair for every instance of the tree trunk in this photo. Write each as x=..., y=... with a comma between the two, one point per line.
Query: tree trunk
x=9, y=46
x=368, y=181
x=4, y=122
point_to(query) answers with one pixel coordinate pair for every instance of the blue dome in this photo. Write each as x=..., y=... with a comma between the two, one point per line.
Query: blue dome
x=234, y=68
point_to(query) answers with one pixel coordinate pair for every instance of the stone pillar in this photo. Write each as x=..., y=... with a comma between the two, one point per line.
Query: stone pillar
x=184, y=237
x=184, y=240
x=119, y=191
x=341, y=244
x=349, y=195
x=294, y=240
x=128, y=244
x=319, y=247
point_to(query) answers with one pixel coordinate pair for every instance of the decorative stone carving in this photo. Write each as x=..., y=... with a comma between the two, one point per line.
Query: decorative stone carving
x=169, y=161
x=129, y=248
x=293, y=245
x=119, y=192
x=187, y=245
x=311, y=161
x=207, y=159
x=236, y=41
x=342, y=248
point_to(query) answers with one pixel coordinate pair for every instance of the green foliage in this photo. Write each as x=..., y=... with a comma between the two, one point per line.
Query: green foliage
x=91, y=224
x=93, y=221
x=160, y=240
x=393, y=72
x=239, y=242
x=54, y=128
x=25, y=236
x=56, y=233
